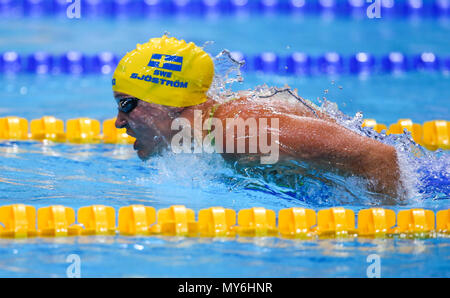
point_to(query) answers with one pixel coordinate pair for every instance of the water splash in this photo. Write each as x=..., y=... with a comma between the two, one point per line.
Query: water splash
x=226, y=73
x=424, y=174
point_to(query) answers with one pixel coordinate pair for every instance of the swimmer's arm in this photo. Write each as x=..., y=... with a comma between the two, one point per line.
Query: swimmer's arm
x=327, y=144
x=332, y=145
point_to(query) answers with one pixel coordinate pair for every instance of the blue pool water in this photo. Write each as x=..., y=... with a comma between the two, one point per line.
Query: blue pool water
x=81, y=175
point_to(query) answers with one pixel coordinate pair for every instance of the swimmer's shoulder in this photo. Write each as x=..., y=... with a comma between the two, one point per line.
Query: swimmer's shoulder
x=236, y=106
x=246, y=104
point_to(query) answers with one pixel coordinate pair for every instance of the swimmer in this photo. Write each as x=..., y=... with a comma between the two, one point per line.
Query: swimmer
x=167, y=79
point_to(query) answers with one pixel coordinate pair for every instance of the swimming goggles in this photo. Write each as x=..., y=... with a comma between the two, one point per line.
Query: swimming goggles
x=126, y=105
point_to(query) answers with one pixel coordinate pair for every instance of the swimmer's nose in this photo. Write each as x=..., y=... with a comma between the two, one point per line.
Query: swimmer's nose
x=121, y=122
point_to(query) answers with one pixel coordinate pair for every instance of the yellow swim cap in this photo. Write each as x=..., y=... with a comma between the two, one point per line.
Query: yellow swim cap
x=165, y=71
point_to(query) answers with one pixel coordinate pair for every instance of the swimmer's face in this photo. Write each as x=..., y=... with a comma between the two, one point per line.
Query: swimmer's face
x=148, y=123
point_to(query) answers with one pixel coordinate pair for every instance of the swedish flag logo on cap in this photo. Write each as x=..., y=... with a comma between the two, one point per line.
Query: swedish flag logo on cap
x=169, y=62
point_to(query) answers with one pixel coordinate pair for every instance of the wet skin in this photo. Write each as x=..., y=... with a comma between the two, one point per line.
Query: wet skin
x=317, y=139
x=149, y=124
